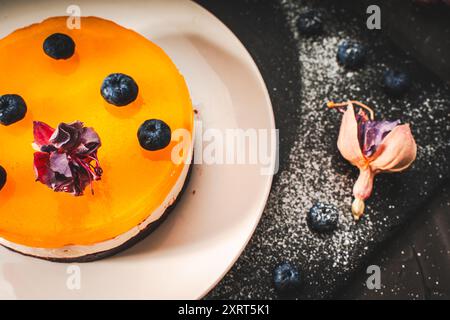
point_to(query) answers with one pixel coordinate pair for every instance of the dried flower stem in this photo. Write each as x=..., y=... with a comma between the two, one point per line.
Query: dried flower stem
x=332, y=104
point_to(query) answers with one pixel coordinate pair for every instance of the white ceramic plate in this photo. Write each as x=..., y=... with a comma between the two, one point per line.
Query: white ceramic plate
x=208, y=230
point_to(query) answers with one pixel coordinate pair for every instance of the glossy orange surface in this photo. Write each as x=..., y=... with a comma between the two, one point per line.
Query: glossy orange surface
x=135, y=181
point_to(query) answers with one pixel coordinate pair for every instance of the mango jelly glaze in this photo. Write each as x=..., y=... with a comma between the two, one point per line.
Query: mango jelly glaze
x=135, y=181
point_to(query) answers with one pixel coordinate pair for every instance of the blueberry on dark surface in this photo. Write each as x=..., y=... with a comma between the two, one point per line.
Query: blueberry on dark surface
x=2, y=177
x=309, y=22
x=119, y=89
x=12, y=109
x=154, y=135
x=351, y=54
x=59, y=46
x=286, y=278
x=322, y=217
x=396, y=82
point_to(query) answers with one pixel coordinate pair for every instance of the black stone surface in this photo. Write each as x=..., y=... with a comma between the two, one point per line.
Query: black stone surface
x=301, y=74
x=414, y=264
x=422, y=30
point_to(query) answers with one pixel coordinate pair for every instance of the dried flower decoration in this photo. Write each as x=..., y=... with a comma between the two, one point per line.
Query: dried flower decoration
x=66, y=158
x=372, y=146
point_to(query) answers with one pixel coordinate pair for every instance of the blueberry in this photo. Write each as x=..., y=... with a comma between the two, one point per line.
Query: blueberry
x=119, y=89
x=2, y=177
x=351, y=54
x=396, y=82
x=322, y=218
x=309, y=22
x=154, y=135
x=286, y=278
x=59, y=46
x=12, y=109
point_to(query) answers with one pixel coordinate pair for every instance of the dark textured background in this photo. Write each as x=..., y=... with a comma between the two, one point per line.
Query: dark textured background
x=406, y=229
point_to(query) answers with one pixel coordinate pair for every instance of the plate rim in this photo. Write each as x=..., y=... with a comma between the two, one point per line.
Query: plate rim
x=273, y=154
x=261, y=200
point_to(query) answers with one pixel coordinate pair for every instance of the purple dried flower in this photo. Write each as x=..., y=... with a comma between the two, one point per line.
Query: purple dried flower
x=66, y=158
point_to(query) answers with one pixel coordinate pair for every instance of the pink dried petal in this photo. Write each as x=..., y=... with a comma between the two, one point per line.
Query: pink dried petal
x=348, y=143
x=364, y=184
x=42, y=170
x=397, y=151
x=362, y=190
x=42, y=133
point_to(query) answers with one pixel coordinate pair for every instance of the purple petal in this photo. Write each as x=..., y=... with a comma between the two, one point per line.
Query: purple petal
x=89, y=141
x=67, y=135
x=81, y=180
x=60, y=164
x=63, y=184
x=372, y=133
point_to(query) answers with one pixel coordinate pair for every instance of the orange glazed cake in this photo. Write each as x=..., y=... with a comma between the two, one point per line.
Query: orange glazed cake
x=87, y=122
